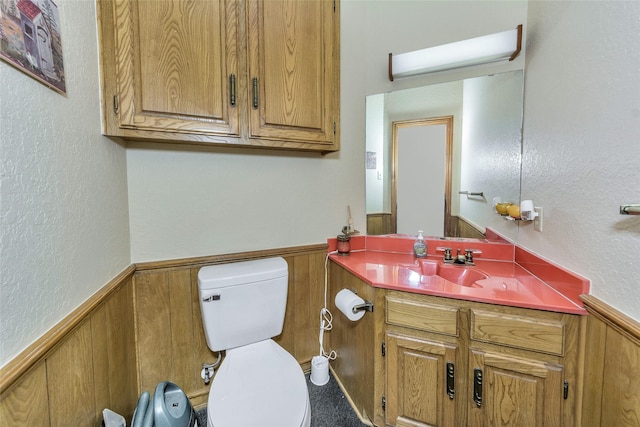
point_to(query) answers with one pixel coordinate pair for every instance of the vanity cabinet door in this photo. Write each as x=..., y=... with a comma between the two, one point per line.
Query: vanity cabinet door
x=293, y=77
x=417, y=384
x=175, y=65
x=513, y=391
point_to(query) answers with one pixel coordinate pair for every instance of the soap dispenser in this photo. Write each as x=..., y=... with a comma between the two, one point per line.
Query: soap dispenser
x=420, y=247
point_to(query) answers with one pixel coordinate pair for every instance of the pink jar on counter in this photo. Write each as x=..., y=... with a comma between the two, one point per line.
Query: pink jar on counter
x=344, y=244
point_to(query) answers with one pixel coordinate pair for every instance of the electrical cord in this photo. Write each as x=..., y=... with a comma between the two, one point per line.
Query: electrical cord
x=326, y=318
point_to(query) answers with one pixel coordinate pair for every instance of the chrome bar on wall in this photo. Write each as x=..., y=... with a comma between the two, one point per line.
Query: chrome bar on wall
x=470, y=193
x=630, y=209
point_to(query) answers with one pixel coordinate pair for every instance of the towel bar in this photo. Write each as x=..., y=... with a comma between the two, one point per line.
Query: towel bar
x=630, y=210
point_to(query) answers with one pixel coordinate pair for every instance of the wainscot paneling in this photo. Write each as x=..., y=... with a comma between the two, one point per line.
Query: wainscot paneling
x=379, y=223
x=358, y=358
x=462, y=228
x=171, y=345
x=82, y=365
x=612, y=367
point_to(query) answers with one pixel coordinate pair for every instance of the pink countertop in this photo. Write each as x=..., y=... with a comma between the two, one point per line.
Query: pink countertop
x=516, y=277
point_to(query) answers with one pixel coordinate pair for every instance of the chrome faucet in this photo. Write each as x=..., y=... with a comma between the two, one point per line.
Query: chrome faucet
x=466, y=259
x=460, y=259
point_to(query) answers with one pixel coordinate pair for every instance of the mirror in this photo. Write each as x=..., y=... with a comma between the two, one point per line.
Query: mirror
x=479, y=148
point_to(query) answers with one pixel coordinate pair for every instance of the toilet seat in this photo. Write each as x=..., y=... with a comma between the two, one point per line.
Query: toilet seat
x=259, y=385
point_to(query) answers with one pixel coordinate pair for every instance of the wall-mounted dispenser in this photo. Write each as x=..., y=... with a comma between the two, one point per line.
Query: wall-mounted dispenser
x=529, y=212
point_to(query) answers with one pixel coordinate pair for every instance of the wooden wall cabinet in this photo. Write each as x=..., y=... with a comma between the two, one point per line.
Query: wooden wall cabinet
x=232, y=72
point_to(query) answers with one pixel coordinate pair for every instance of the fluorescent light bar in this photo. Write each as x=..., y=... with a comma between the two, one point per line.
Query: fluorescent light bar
x=479, y=50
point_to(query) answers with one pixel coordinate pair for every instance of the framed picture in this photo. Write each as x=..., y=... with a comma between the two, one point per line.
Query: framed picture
x=30, y=40
x=371, y=160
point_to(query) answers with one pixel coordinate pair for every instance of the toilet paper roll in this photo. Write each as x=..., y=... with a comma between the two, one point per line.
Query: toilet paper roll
x=345, y=301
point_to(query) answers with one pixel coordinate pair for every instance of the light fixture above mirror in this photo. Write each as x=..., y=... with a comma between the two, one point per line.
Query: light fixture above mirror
x=501, y=46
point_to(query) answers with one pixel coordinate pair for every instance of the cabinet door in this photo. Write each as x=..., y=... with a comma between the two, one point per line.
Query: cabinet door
x=176, y=62
x=417, y=391
x=509, y=391
x=293, y=78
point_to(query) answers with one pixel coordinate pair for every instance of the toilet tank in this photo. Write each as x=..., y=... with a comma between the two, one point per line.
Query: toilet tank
x=243, y=302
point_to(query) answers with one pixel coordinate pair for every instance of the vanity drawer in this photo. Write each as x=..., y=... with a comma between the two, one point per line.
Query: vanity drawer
x=423, y=316
x=529, y=333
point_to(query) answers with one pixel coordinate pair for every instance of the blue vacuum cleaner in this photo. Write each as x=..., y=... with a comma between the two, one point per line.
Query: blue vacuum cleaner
x=170, y=408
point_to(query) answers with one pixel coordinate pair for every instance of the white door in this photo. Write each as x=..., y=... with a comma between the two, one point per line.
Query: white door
x=420, y=179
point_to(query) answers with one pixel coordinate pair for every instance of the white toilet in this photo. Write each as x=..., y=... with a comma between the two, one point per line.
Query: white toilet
x=258, y=384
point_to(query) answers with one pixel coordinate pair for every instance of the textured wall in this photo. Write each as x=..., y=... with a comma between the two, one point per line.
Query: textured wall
x=491, y=148
x=63, y=203
x=581, y=147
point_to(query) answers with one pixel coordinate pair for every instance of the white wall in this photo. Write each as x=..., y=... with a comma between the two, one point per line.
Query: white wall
x=63, y=204
x=491, y=148
x=195, y=202
x=581, y=148
x=437, y=100
x=375, y=178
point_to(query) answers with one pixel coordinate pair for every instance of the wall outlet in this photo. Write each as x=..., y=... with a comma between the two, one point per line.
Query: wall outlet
x=537, y=221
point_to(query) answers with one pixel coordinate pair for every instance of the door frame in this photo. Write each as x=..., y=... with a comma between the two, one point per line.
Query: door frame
x=444, y=120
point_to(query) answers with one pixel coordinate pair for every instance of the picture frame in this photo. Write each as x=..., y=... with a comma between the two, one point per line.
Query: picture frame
x=30, y=40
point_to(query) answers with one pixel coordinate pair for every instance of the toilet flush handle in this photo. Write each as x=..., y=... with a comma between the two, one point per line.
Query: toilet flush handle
x=214, y=297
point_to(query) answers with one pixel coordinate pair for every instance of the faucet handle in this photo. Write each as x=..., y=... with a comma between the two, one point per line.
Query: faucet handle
x=468, y=255
x=447, y=253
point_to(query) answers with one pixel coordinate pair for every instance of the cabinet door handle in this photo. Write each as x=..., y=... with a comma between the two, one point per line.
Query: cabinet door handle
x=232, y=90
x=254, y=92
x=451, y=380
x=477, y=386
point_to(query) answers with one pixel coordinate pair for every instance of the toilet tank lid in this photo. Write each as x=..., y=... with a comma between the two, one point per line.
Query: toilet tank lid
x=240, y=273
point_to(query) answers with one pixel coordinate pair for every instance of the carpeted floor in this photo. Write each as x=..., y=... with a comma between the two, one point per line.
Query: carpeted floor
x=329, y=407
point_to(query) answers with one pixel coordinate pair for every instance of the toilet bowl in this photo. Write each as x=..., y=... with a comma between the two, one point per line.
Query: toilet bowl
x=259, y=385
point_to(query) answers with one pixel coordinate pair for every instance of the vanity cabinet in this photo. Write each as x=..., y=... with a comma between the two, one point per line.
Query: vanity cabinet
x=452, y=362
x=519, y=361
x=233, y=72
x=421, y=343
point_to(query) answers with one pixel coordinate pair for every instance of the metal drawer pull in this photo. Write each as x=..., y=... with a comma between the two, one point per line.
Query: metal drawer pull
x=254, y=91
x=477, y=386
x=232, y=90
x=451, y=380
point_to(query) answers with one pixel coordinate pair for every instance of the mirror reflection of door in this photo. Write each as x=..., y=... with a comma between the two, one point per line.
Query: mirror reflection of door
x=422, y=175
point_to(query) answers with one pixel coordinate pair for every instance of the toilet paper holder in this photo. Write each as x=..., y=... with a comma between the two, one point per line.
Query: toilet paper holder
x=366, y=306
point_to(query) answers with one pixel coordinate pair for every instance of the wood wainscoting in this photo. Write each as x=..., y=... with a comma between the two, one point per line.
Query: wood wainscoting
x=383, y=223
x=142, y=328
x=380, y=223
x=462, y=228
x=82, y=365
x=612, y=367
